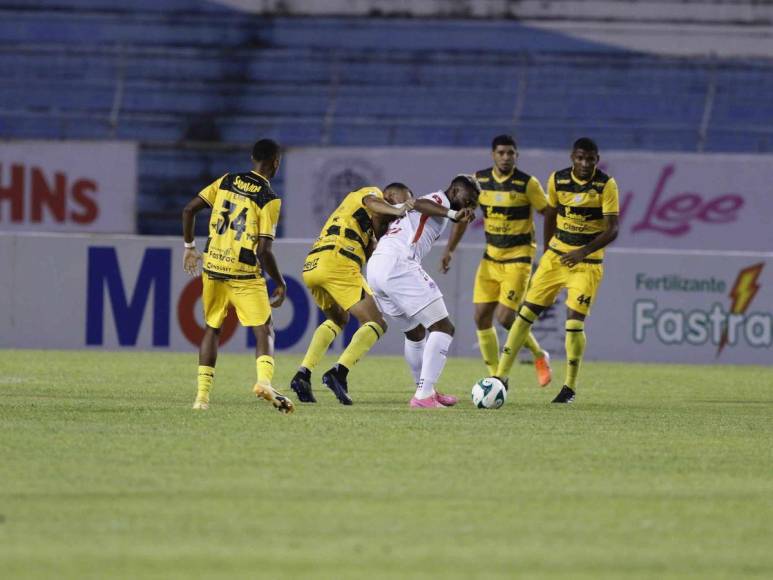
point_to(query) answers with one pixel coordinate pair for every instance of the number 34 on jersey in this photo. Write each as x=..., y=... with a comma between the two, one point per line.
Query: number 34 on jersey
x=244, y=208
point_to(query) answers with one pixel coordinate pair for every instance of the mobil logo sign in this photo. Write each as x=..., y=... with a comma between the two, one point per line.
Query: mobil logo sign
x=68, y=186
x=141, y=298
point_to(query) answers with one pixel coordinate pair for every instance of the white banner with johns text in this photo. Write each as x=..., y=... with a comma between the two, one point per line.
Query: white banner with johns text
x=68, y=186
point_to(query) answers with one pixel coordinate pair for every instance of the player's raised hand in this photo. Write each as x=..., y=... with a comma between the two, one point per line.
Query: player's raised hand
x=191, y=261
x=409, y=204
x=445, y=262
x=278, y=296
x=465, y=215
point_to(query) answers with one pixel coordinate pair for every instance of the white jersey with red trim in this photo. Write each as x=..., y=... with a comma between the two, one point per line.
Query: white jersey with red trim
x=412, y=235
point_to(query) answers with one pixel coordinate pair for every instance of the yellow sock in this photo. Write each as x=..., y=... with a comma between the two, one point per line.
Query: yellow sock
x=362, y=341
x=206, y=376
x=320, y=342
x=489, y=348
x=515, y=339
x=532, y=344
x=265, y=366
x=575, y=348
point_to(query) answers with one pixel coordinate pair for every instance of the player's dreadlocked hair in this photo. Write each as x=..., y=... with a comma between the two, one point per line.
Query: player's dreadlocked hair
x=469, y=181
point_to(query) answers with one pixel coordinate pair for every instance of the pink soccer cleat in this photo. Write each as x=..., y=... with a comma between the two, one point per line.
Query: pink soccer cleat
x=446, y=400
x=544, y=372
x=428, y=403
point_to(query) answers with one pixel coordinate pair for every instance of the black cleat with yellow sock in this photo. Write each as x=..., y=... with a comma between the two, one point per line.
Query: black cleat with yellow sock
x=335, y=380
x=566, y=395
x=301, y=385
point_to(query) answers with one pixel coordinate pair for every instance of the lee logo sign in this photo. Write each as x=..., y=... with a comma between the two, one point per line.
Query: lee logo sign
x=73, y=186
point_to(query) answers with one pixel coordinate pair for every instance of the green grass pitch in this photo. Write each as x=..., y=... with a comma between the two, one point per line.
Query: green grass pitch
x=657, y=471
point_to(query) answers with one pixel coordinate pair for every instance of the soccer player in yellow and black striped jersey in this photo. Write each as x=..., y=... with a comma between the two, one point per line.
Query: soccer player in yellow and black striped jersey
x=508, y=199
x=242, y=227
x=581, y=222
x=332, y=272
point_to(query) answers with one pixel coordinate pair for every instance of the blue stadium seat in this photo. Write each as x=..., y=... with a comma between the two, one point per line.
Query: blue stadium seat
x=191, y=70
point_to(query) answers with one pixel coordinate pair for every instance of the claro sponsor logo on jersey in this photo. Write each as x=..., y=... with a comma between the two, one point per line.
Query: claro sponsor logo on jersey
x=31, y=194
x=726, y=322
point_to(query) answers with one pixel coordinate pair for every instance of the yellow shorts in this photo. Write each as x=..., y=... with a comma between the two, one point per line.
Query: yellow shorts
x=501, y=282
x=334, y=279
x=248, y=297
x=581, y=283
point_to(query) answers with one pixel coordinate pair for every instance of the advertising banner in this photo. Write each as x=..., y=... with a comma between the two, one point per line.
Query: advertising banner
x=667, y=200
x=72, y=186
x=130, y=292
x=691, y=307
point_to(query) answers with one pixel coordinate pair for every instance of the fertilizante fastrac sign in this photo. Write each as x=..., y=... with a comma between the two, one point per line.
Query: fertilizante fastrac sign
x=719, y=325
x=688, y=306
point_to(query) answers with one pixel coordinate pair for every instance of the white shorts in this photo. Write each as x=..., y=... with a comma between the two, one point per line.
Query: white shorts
x=405, y=292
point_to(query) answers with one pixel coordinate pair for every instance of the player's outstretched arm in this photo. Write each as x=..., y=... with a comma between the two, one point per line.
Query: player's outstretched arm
x=379, y=206
x=432, y=209
x=269, y=265
x=191, y=257
x=612, y=226
x=453, y=240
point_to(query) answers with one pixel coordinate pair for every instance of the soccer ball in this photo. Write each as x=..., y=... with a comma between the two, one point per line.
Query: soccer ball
x=489, y=393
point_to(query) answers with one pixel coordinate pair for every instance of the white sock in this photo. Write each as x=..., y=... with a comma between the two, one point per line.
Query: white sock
x=433, y=361
x=414, y=351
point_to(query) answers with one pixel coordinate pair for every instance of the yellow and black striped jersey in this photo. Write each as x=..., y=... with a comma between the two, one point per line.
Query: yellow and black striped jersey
x=508, y=218
x=244, y=208
x=349, y=228
x=581, y=207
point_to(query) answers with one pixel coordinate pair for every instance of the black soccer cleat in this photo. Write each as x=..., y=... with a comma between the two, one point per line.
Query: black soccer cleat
x=505, y=381
x=336, y=383
x=301, y=385
x=566, y=395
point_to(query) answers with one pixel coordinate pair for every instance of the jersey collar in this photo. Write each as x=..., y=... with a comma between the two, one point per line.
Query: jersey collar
x=501, y=179
x=261, y=176
x=580, y=181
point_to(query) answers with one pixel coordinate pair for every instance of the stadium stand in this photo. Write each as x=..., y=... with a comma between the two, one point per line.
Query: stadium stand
x=193, y=82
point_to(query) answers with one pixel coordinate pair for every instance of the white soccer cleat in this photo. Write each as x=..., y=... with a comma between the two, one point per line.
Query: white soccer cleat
x=200, y=404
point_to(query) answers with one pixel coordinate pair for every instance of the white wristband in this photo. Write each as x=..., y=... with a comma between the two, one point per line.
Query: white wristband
x=190, y=245
x=452, y=215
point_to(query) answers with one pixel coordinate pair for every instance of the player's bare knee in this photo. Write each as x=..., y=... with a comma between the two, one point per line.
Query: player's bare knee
x=484, y=315
x=265, y=330
x=416, y=334
x=444, y=325
x=339, y=317
x=506, y=317
x=574, y=315
x=483, y=320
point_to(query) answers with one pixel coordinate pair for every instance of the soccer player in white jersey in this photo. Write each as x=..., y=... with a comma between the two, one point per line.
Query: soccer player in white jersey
x=405, y=292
